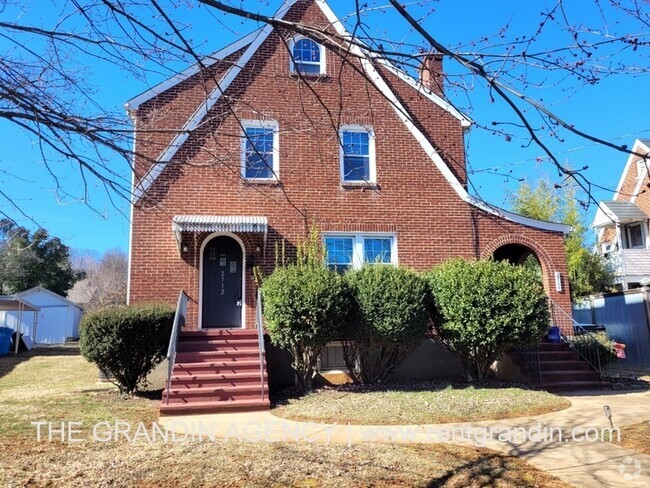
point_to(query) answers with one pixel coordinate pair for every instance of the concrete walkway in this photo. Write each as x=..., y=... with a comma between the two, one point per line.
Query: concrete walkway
x=566, y=444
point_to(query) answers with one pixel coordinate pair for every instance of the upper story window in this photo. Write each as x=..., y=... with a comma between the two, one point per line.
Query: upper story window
x=308, y=57
x=354, y=250
x=260, y=155
x=634, y=236
x=357, y=155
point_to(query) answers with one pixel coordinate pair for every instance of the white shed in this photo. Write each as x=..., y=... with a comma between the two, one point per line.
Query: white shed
x=58, y=317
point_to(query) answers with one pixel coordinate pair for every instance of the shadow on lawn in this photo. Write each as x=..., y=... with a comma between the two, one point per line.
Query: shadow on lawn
x=10, y=361
x=487, y=470
x=283, y=395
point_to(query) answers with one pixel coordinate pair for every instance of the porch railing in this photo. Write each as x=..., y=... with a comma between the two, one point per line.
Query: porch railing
x=259, y=321
x=581, y=340
x=179, y=321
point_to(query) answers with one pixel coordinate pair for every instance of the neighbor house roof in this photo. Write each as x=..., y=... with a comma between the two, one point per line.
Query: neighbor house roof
x=614, y=212
x=640, y=145
x=49, y=292
x=368, y=63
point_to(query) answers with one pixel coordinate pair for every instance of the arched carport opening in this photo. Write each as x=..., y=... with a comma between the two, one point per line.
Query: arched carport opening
x=519, y=255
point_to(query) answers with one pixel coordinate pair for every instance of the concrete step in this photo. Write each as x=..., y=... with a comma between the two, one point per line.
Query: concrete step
x=205, y=380
x=200, y=356
x=576, y=385
x=553, y=347
x=559, y=376
x=214, y=407
x=564, y=366
x=231, y=365
x=210, y=345
x=218, y=334
x=558, y=356
x=215, y=394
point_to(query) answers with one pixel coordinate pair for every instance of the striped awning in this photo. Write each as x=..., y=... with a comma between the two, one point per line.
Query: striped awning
x=218, y=223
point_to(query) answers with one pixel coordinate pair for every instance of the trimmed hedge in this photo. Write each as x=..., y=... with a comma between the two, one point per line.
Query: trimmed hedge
x=392, y=318
x=305, y=307
x=606, y=349
x=484, y=308
x=126, y=343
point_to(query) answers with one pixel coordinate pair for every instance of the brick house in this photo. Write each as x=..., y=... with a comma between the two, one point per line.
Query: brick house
x=621, y=223
x=279, y=133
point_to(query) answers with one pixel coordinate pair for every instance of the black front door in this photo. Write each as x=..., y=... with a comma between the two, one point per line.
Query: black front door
x=222, y=283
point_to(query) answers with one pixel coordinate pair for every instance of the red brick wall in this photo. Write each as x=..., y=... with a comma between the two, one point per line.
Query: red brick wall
x=412, y=199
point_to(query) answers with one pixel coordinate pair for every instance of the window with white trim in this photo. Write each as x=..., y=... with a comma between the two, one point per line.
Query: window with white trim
x=357, y=154
x=260, y=155
x=347, y=251
x=640, y=168
x=307, y=57
x=332, y=358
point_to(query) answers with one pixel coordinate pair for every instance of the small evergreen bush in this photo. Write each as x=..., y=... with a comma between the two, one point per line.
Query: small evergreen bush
x=126, y=343
x=305, y=307
x=484, y=308
x=391, y=319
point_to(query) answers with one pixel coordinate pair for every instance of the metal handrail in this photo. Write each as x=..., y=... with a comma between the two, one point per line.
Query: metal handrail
x=259, y=320
x=525, y=353
x=179, y=321
x=590, y=350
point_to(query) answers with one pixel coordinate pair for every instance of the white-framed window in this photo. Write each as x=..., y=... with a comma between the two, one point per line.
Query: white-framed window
x=346, y=251
x=260, y=150
x=307, y=56
x=357, y=154
x=635, y=236
x=332, y=359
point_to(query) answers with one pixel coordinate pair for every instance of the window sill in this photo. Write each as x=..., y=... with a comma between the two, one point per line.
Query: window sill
x=360, y=184
x=322, y=77
x=262, y=181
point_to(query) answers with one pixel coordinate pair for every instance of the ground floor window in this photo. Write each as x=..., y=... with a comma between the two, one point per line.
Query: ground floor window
x=332, y=358
x=346, y=251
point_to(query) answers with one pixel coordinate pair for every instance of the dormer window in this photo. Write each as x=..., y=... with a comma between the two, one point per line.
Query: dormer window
x=308, y=57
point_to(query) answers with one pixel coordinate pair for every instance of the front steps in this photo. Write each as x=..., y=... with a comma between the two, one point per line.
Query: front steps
x=216, y=371
x=562, y=369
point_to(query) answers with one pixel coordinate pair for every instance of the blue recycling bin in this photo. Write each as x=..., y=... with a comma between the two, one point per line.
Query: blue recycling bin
x=554, y=335
x=5, y=340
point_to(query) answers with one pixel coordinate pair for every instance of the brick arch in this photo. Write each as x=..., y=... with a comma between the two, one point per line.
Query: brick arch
x=540, y=253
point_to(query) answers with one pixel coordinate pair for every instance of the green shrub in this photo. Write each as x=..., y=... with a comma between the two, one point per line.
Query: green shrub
x=484, y=308
x=392, y=317
x=305, y=307
x=605, y=345
x=126, y=343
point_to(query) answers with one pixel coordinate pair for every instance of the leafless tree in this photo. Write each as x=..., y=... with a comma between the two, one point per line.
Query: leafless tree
x=45, y=69
x=105, y=282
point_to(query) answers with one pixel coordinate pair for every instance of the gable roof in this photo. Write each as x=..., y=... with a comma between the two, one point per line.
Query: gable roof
x=638, y=145
x=368, y=65
x=49, y=292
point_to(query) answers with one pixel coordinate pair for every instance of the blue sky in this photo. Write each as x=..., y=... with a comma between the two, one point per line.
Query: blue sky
x=610, y=110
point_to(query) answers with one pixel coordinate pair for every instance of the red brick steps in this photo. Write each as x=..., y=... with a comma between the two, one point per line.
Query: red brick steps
x=562, y=369
x=216, y=371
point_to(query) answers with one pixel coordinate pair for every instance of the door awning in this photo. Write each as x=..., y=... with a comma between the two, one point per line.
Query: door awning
x=218, y=223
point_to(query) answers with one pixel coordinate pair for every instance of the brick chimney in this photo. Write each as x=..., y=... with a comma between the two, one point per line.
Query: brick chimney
x=431, y=74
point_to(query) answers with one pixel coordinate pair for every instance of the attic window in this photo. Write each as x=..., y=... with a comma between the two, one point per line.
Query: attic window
x=308, y=57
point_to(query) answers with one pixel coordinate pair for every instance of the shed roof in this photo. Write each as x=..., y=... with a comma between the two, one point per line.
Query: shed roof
x=11, y=303
x=614, y=212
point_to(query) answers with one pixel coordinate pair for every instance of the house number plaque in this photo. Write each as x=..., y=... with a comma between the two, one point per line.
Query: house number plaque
x=223, y=281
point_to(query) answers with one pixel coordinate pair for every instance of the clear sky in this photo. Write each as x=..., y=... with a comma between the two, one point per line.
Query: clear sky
x=613, y=109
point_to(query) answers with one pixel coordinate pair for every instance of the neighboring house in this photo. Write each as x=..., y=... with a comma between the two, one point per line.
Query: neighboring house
x=57, y=321
x=279, y=134
x=622, y=223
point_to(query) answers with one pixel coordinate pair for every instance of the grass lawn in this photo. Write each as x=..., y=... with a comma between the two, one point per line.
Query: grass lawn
x=636, y=437
x=424, y=404
x=57, y=384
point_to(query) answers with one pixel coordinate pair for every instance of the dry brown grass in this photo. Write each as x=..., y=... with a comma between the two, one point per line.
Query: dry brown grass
x=636, y=437
x=428, y=404
x=51, y=387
